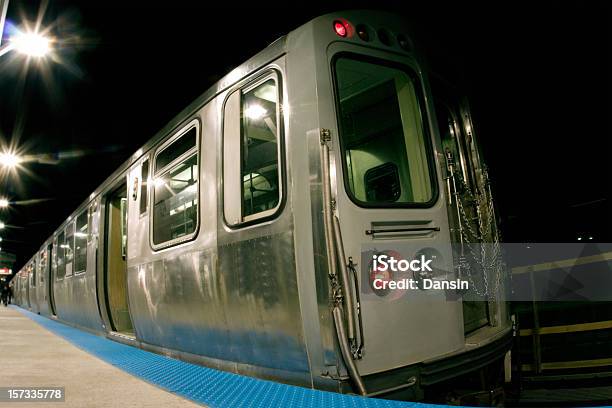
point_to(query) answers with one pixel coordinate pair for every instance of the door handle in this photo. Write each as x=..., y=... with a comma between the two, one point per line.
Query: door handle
x=400, y=230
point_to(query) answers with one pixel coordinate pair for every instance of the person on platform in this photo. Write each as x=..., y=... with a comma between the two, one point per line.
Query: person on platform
x=4, y=294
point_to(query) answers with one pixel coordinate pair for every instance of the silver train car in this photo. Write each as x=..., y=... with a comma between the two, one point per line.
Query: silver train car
x=234, y=237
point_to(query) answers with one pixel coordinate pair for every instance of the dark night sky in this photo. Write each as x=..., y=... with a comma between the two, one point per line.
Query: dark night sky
x=537, y=76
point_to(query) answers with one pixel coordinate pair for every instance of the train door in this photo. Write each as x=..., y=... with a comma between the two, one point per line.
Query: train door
x=386, y=199
x=51, y=278
x=115, y=262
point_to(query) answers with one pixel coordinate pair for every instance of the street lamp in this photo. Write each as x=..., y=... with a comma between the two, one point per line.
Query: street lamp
x=2, y=225
x=30, y=42
x=3, y=204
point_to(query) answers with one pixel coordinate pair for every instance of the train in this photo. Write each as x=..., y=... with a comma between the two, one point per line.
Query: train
x=235, y=237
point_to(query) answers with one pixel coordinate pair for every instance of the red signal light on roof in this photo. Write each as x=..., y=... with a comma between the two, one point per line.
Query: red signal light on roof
x=341, y=28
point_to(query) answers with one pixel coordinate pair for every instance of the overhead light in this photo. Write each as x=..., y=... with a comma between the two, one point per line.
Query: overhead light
x=31, y=44
x=2, y=225
x=8, y=159
x=4, y=203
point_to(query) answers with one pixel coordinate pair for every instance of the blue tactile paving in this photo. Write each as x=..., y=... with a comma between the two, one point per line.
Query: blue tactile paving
x=204, y=385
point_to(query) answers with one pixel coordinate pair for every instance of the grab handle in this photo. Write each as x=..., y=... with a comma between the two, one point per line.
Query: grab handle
x=418, y=229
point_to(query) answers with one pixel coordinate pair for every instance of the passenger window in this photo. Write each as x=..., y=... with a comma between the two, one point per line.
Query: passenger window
x=61, y=256
x=175, y=191
x=252, y=183
x=143, y=186
x=386, y=151
x=80, y=243
x=69, y=249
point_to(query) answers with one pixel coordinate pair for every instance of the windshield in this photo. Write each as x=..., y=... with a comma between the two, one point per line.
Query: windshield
x=386, y=154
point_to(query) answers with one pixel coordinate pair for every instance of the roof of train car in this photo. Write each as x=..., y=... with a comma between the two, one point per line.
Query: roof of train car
x=268, y=54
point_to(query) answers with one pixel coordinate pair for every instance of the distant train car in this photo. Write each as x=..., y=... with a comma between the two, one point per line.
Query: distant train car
x=234, y=237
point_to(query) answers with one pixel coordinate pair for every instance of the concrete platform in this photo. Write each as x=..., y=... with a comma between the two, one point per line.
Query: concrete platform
x=33, y=356
x=97, y=371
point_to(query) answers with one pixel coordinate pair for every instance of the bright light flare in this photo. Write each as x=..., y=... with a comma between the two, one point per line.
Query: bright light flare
x=2, y=225
x=31, y=44
x=4, y=203
x=255, y=112
x=9, y=159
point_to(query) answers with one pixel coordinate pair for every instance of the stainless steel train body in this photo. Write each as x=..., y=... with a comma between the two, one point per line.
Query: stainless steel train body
x=195, y=250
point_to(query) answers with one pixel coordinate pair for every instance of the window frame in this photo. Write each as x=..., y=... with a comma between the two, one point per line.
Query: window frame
x=242, y=87
x=155, y=172
x=423, y=110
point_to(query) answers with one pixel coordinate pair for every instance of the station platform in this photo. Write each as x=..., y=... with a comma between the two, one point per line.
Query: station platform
x=35, y=357
x=96, y=371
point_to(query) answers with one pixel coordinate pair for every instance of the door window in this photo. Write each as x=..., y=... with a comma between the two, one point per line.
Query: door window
x=387, y=159
x=80, y=242
x=61, y=256
x=69, y=249
x=144, y=186
x=43, y=265
x=33, y=274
